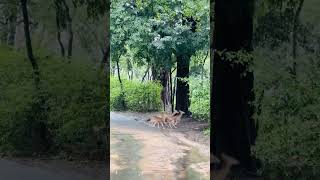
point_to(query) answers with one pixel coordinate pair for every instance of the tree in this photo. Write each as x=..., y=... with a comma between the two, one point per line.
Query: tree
x=233, y=129
x=294, y=36
x=33, y=61
x=60, y=24
x=64, y=21
x=177, y=28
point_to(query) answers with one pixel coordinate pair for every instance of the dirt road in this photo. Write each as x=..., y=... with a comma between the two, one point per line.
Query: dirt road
x=53, y=170
x=140, y=152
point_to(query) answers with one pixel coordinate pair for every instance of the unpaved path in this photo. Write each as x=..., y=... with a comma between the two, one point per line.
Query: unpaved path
x=140, y=152
x=48, y=170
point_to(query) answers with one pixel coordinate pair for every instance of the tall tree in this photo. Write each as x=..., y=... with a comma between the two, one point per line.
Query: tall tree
x=64, y=22
x=69, y=28
x=233, y=129
x=33, y=61
x=60, y=24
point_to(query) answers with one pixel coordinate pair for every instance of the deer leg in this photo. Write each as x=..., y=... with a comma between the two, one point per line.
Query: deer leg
x=174, y=126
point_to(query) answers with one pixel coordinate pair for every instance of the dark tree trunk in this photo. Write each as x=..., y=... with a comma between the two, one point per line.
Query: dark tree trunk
x=118, y=71
x=203, y=63
x=295, y=28
x=121, y=85
x=28, y=42
x=59, y=37
x=40, y=135
x=12, y=29
x=294, y=38
x=233, y=130
x=171, y=92
x=154, y=73
x=145, y=74
x=182, y=92
x=69, y=28
x=165, y=93
x=70, y=40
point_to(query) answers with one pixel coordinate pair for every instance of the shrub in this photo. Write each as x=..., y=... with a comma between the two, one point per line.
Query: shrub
x=288, y=140
x=68, y=105
x=200, y=98
x=140, y=97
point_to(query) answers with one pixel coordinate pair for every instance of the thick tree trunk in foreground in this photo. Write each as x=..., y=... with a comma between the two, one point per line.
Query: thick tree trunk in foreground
x=182, y=92
x=233, y=130
x=28, y=42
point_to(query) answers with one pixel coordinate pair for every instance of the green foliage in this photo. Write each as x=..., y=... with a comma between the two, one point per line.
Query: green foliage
x=207, y=132
x=288, y=140
x=200, y=98
x=140, y=97
x=153, y=31
x=69, y=104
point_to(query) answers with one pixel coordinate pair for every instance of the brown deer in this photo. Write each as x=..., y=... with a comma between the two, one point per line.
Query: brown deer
x=227, y=163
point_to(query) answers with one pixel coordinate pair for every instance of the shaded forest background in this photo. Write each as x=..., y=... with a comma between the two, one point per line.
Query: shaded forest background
x=53, y=78
x=286, y=68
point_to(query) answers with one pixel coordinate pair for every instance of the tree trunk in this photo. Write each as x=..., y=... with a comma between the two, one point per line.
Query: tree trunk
x=118, y=71
x=59, y=36
x=203, y=63
x=171, y=92
x=145, y=74
x=69, y=28
x=294, y=38
x=28, y=42
x=165, y=93
x=182, y=91
x=154, y=72
x=121, y=86
x=233, y=130
x=70, y=40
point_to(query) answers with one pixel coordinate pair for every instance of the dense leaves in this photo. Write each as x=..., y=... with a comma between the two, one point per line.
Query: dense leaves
x=69, y=105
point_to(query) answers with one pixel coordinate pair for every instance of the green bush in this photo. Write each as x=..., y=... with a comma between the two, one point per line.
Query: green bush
x=140, y=97
x=200, y=98
x=288, y=140
x=68, y=106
